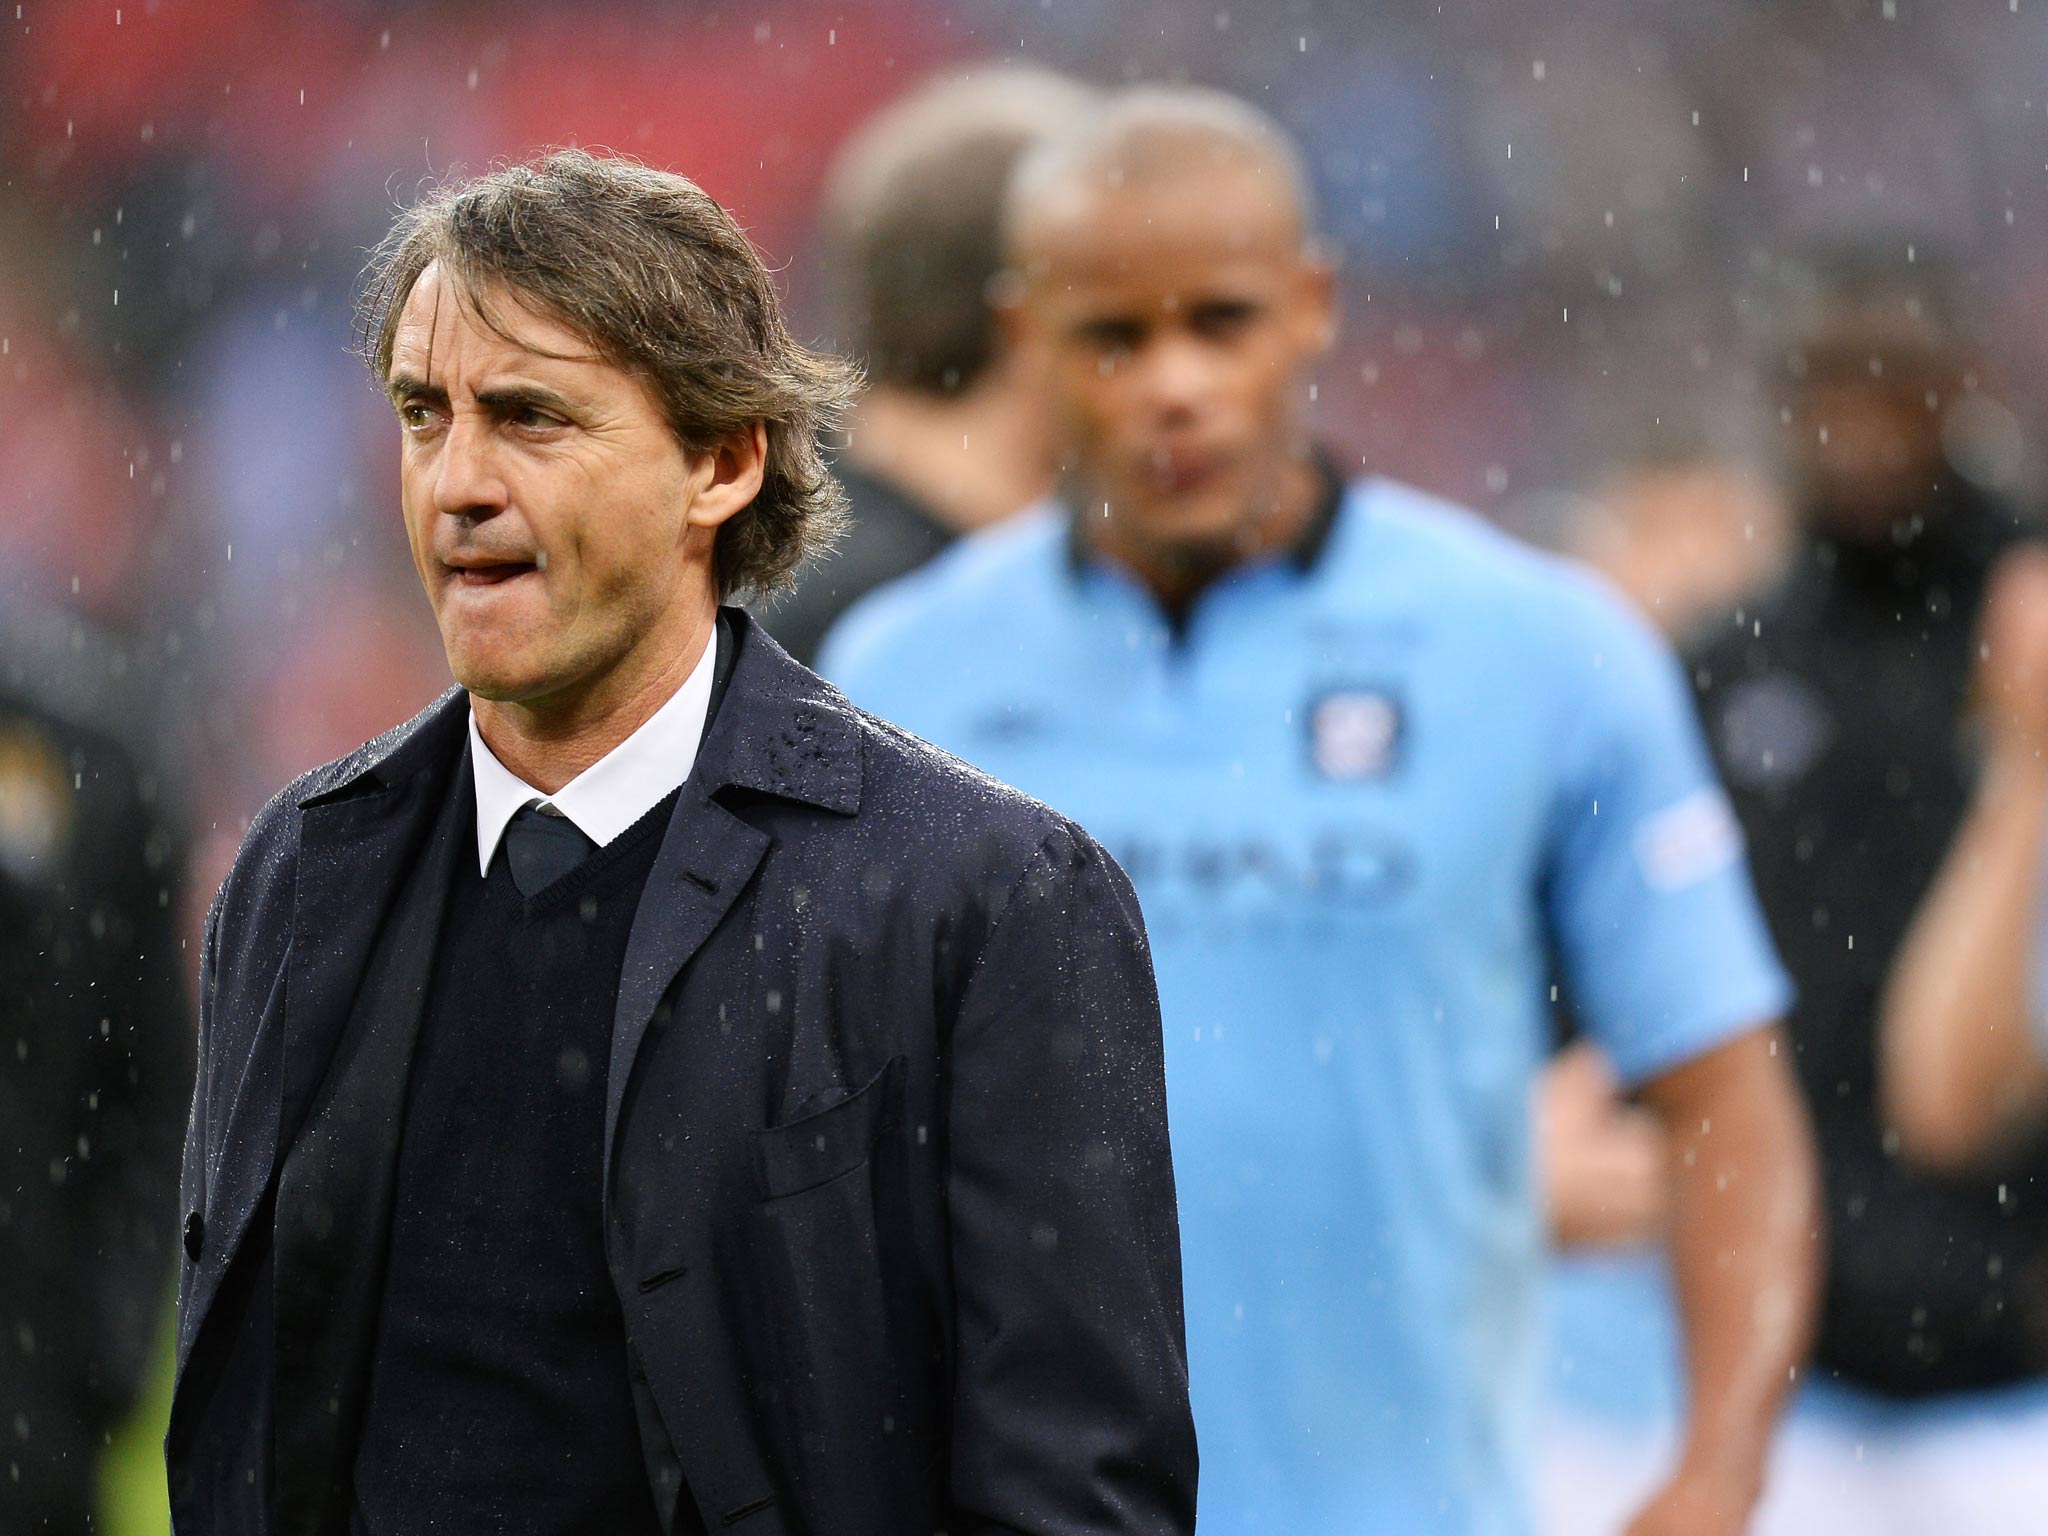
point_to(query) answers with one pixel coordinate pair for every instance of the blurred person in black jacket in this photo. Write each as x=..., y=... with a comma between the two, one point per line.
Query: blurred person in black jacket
x=1835, y=708
x=952, y=434
x=95, y=1064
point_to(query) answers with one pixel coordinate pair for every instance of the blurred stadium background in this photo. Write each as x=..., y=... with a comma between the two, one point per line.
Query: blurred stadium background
x=1557, y=219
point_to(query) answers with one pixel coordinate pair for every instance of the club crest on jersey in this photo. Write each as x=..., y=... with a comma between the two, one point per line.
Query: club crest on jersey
x=1355, y=733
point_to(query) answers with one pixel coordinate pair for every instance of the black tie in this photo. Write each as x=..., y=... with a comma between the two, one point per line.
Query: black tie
x=541, y=847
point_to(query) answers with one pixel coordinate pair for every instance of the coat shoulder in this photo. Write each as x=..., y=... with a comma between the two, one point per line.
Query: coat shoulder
x=938, y=846
x=904, y=773
x=950, y=815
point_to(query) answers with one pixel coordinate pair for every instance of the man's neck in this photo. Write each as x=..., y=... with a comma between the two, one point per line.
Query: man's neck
x=969, y=460
x=1177, y=574
x=547, y=743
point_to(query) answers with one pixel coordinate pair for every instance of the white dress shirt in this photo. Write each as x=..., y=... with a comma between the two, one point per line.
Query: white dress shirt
x=615, y=791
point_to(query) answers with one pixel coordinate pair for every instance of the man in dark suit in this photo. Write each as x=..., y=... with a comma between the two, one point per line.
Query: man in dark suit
x=643, y=1093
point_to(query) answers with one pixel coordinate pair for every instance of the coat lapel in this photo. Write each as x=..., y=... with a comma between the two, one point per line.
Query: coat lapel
x=335, y=1188
x=358, y=838
x=707, y=857
x=780, y=731
x=353, y=860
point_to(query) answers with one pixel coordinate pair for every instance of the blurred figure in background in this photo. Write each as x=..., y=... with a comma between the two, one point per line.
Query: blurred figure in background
x=1834, y=706
x=1685, y=531
x=95, y=1062
x=951, y=434
x=1965, y=1046
x=1363, y=758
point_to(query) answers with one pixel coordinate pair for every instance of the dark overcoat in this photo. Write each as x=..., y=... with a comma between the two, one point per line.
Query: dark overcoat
x=888, y=1204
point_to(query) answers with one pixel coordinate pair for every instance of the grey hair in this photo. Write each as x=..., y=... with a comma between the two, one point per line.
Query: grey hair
x=913, y=219
x=663, y=283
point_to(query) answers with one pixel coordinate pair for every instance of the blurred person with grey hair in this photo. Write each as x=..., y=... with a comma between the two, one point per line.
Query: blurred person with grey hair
x=951, y=434
x=1370, y=763
x=642, y=1093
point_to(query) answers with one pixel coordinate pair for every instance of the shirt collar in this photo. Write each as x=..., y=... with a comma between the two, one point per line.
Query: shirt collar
x=615, y=791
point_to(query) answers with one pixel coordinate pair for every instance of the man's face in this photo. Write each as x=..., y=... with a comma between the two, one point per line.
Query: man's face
x=1864, y=418
x=545, y=498
x=1177, y=322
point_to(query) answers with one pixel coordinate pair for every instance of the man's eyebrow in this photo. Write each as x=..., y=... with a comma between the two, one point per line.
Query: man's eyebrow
x=518, y=397
x=402, y=387
x=502, y=398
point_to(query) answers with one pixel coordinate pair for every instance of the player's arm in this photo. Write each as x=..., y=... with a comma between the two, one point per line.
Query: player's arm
x=1962, y=1071
x=1744, y=1209
x=1672, y=971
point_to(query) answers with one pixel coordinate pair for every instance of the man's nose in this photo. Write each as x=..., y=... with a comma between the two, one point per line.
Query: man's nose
x=1179, y=374
x=467, y=480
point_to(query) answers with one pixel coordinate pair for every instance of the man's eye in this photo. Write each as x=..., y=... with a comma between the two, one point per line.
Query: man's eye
x=533, y=416
x=1112, y=342
x=416, y=417
x=1220, y=320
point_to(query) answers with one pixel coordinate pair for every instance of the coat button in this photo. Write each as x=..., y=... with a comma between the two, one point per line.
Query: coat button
x=195, y=1235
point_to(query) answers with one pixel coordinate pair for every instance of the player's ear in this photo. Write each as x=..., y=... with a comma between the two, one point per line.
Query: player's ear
x=1316, y=300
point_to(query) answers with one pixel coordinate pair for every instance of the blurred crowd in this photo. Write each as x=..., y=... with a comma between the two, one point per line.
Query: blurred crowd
x=1626, y=279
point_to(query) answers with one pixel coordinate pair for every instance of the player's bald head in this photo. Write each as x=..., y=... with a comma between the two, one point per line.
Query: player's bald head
x=1159, y=145
x=1162, y=271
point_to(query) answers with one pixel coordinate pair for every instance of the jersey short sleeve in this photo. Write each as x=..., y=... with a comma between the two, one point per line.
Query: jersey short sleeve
x=1659, y=933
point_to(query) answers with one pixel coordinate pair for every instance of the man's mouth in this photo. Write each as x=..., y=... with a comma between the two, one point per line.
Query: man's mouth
x=488, y=573
x=1183, y=474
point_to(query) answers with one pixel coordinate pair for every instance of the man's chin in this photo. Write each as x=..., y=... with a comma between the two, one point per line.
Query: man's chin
x=1205, y=534
x=502, y=682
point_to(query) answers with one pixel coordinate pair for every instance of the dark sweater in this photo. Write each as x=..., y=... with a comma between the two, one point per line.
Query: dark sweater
x=1835, y=707
x=499, y=1398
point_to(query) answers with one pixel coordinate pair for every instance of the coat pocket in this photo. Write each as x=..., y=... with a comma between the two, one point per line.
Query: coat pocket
x=789, y=1159
x=829, y=1349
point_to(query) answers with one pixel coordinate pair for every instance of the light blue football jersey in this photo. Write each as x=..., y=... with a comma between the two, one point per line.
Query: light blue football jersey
x=1363, y=800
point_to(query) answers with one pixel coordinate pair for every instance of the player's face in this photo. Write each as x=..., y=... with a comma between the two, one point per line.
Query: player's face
x=545, y=497
x=1177, y=323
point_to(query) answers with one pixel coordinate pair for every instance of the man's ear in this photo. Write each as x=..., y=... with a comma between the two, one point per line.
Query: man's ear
x=729, y=476
x=1317, y=309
